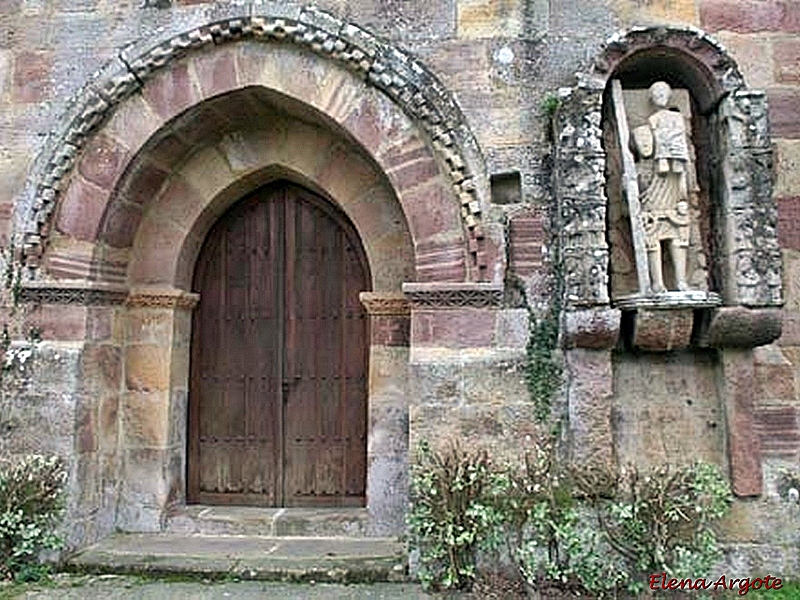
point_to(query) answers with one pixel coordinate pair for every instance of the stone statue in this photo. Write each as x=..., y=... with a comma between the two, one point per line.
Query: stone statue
x=658, y=181
x=665, y=201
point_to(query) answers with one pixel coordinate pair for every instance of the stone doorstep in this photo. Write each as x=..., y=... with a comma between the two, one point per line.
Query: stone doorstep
x=327, y=559
x=274, y=522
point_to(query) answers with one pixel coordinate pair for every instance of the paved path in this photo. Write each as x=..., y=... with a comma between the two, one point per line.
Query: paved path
x=114, y=587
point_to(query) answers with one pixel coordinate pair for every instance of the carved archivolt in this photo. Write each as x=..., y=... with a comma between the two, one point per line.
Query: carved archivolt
x=397, y=74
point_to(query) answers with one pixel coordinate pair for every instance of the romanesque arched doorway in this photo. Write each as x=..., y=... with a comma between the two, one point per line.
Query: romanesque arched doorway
x=278, y=396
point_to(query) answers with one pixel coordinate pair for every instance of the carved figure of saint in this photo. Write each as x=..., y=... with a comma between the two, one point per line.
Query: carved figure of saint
x=665, y=202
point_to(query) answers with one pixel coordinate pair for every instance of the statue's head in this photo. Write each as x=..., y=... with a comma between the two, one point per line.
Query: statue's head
x=660, y=93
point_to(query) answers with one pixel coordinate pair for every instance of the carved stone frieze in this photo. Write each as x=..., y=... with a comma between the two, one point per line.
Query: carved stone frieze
x=397, y=74
x=66, y=293
x=453, y=295
x=747, y=247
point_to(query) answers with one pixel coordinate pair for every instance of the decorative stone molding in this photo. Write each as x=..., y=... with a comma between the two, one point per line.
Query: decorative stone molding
x=405, y=80
x=81, y=293
x=580, y=185
x=162, y=298
x=687, y=41
x=385, y=304
x=747, y=238
x=453, y=295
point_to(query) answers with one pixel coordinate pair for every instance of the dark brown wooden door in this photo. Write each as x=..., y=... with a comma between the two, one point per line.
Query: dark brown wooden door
x=278, y=399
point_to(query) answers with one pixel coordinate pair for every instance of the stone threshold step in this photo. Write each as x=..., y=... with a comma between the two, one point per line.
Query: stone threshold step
x=276, y=522
x=248, y=557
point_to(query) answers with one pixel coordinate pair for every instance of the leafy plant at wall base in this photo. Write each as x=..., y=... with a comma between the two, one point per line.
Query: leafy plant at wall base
x=661, y=521
x=452, y=513
x=31, y=505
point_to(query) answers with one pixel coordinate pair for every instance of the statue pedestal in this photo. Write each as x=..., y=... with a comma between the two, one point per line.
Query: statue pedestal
x=665, y=321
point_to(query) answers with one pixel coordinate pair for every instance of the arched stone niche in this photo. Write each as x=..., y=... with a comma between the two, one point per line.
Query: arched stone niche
x=734, y=233
x=604, y=336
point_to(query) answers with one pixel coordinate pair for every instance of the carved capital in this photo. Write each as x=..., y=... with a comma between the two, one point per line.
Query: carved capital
x=385, y=304
x=162, y=298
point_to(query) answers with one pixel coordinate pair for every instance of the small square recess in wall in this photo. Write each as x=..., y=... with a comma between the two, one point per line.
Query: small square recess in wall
x=506, y=188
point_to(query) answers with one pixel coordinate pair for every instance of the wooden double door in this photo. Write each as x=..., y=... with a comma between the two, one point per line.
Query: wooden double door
x=278, y=398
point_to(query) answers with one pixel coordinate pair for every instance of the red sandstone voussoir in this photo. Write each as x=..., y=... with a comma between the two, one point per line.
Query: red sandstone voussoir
x=103, y=161
x=216, y=71
x=82, y=208
x=120, y=224
x=171, y=91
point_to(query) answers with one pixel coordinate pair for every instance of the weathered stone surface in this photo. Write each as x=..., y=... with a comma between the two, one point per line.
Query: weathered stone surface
x=747, y=16
x=666, y=409
x=661, y=330
x=590, y=399
x=147, y=368
x=787, y=183
x=744, y=448
x=784, y=110
x=32, y=76
x=591, y=328
x=741, y=327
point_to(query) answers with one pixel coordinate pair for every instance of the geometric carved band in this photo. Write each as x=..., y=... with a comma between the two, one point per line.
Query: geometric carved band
x=78, y=293
x=453, y=295
x=87, y=293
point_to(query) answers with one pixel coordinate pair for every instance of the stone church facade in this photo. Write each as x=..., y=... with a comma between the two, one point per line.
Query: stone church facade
x=207, y=203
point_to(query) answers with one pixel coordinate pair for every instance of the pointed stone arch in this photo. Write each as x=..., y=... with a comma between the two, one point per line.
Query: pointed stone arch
x=383, y=82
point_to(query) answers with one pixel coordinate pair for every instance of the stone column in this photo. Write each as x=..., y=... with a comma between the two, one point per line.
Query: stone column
x=588, y=337
x=154, y=406
x=387, y=402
